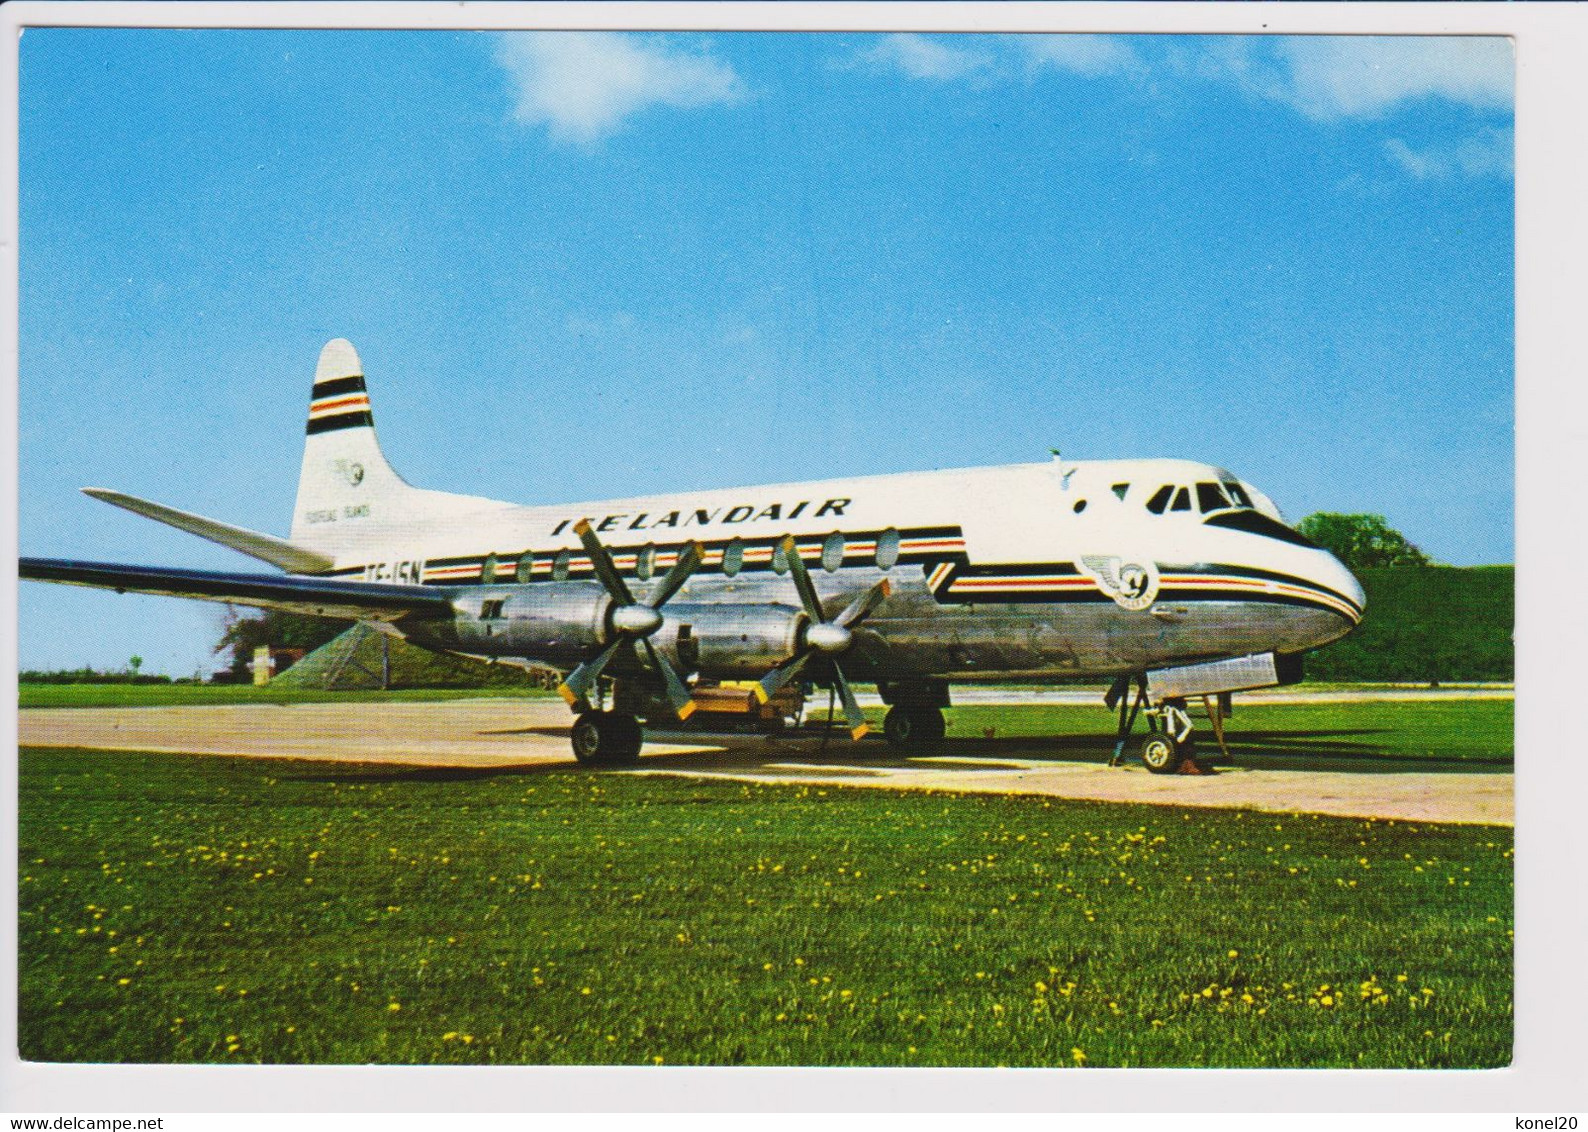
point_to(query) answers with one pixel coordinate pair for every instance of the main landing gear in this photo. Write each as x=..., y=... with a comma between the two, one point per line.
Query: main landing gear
x=913, y=726
x=607, y=738
x=915, y=712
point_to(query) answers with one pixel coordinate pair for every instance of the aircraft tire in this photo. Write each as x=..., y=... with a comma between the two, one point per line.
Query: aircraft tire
x=606, y=738
x=1160, y=754
x=913, y=727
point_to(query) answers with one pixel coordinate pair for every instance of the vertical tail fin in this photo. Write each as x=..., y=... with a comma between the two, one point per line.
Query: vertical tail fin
x=346, y=486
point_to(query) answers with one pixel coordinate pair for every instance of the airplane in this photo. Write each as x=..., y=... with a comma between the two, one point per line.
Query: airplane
x=1169, y=579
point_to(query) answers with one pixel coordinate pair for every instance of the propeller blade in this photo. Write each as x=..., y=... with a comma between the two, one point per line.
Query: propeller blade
x=576, y=689
x=677, y=691
x=862, y=606
x=602, y=561
x=802, y=579
x=774, y=681
x=856, y=718
x=689, y=560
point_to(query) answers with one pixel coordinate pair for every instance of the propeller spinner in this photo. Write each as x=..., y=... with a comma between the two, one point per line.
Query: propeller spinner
x=829, y=638
x=632, y=623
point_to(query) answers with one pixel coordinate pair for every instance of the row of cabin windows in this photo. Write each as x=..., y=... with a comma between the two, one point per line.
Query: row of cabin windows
x=1210, y=497
x=832, y=557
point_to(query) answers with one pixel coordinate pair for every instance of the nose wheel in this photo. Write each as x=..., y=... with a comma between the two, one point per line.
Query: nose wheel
x=1162, y=753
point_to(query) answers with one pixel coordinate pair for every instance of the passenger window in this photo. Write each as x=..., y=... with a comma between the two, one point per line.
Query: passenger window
x=833, y=552
x=1080, y=505
x=1182, y=500
x=1211, y=499
x=1121, y=489
x=733, y=557
x=526, y=568
x=561, y=565
x=488, y=569
x=645, y=562
x=888, y=549
x=1160, y=499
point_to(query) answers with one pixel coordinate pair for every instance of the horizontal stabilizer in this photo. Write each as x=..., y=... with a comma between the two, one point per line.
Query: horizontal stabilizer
x=269, y=548
x=322, y=597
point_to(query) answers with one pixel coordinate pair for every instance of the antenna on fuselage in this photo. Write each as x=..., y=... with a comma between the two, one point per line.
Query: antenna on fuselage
x=1064, y=472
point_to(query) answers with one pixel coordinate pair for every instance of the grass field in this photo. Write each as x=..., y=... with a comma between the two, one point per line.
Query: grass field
x=167, y=695
x=214, y=910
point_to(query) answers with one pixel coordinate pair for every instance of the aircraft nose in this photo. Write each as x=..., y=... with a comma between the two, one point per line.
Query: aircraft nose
x=1331, y=575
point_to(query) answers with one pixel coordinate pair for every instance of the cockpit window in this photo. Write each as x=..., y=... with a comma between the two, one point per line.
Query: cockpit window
x=1211, y=499
x=1160, y=499
x=1182, y=500
x=1238, y=493
x=1256, y=523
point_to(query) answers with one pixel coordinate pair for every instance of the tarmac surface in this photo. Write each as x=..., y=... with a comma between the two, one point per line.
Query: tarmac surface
x=519, y=736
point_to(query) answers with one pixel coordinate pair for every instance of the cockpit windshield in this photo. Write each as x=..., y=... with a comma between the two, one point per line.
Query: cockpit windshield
x=1211, y=498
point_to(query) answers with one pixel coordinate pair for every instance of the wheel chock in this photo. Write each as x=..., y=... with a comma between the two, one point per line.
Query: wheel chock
x=1189, y=765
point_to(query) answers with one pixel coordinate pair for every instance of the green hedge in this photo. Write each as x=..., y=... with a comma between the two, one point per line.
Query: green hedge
x=1428, y=623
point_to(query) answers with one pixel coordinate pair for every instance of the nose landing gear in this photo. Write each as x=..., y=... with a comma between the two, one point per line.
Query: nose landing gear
x=1167, y=747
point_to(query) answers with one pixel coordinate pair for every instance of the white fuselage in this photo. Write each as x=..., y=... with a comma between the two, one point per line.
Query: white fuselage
x=1026, y=570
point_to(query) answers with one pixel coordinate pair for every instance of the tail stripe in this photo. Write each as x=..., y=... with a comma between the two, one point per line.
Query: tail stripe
x=337, y=386
x=361, y=419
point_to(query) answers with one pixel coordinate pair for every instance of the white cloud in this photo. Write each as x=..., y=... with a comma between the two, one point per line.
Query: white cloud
x=923, y=58
x=1332, y=77
x=1088, y=55
x=583, y=85
x=1489, y=153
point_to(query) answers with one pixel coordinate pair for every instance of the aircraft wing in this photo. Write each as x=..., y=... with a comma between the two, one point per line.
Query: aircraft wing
x=324, y=597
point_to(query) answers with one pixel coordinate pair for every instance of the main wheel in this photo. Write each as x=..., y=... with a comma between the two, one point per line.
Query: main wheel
x=913, y=727
x=606, y=738
x=1160, y=753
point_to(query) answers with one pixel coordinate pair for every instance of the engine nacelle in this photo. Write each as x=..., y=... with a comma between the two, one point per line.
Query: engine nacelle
x=559, y=622
x=730, y=641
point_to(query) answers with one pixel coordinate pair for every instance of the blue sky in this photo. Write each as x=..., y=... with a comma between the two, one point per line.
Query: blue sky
x=586, y=265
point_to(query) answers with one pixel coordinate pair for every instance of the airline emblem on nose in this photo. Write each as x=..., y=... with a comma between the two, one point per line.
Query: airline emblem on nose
x=1132, y=583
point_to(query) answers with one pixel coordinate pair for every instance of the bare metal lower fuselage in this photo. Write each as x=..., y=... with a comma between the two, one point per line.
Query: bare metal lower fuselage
x=913, y=636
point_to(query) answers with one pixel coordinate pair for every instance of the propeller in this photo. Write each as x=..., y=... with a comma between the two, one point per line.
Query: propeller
x=822, y=636
x=632, y=623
